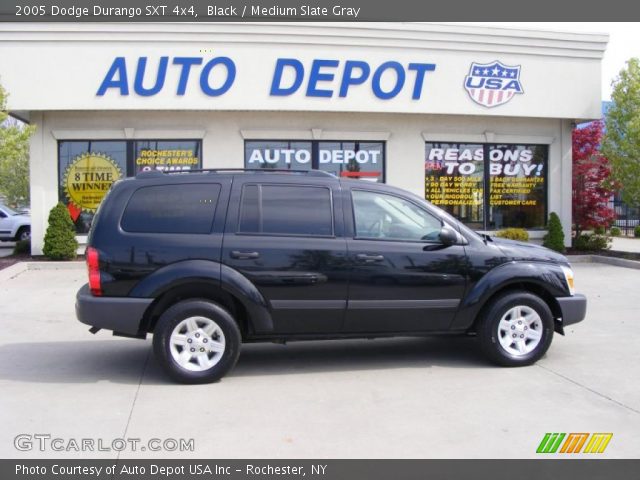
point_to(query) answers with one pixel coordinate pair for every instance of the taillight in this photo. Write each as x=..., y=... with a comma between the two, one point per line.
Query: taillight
x=93, y=265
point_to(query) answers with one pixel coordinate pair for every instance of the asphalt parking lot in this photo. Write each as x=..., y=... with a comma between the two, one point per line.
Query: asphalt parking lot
x=396, y=398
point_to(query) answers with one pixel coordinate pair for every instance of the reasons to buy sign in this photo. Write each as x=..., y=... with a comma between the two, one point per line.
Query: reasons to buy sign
x=455, y=175
x=86, y=180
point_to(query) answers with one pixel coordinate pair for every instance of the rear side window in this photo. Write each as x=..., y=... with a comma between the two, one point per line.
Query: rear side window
x=187, y=208
x=286, y=210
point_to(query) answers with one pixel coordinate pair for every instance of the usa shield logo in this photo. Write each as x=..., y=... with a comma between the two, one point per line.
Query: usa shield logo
x=493, y=84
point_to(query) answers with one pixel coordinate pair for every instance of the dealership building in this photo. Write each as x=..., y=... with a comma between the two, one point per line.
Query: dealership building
x=475, y=119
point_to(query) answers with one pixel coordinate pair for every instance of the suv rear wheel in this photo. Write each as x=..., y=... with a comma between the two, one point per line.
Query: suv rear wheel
x=196, y=341
x=516, y=329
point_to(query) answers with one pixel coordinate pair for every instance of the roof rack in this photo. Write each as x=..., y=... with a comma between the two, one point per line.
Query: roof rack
x=159, y=173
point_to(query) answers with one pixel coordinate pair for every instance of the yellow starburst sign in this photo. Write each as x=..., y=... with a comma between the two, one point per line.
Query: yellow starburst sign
x=88, y=178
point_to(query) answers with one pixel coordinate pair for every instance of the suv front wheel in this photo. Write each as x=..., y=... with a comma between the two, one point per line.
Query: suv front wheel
x=196, y=341
x=516, y=329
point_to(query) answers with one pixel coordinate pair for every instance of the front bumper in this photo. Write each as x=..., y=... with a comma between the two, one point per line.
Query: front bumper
x=120, y=314
x=573, y=309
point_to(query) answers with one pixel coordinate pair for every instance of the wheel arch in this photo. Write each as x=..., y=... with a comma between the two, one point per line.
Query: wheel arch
x=191, y=289
x=209, y=280
x=20, y=229
x=542, y=279
x=529, y=287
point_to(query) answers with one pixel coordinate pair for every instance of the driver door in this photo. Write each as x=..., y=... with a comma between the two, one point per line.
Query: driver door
x=403, y=279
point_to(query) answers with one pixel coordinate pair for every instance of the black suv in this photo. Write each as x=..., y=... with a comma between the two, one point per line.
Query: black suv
x=207, y=260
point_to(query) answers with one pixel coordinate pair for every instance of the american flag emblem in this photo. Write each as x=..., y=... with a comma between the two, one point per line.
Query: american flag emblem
x=492, y=84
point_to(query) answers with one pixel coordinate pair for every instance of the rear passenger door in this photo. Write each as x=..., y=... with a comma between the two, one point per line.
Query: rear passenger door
x=288, y=240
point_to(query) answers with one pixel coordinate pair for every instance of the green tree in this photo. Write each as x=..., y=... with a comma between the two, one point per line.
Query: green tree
x=554, y=239
x=60, y=239
x=621, y=143
x=14, y=156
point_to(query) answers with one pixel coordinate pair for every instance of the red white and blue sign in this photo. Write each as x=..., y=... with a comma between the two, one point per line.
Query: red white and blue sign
x=493, y=84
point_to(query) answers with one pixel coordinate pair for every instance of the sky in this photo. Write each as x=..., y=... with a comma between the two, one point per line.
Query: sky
x=624, y=43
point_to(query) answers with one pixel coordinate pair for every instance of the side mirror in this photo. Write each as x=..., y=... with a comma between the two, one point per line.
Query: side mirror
x=448, y=236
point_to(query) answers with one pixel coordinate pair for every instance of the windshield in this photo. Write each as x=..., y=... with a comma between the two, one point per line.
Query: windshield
x=9, y=211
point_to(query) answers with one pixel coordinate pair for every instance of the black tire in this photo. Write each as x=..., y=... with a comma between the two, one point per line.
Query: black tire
x=489, y=334
x=173, y=316
x=24, y=233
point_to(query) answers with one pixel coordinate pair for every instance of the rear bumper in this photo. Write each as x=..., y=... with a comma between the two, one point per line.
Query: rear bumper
x=574, y=309
x=120, y=314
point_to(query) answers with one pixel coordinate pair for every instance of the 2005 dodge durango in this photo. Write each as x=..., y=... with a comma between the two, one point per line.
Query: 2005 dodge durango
x=208, y=260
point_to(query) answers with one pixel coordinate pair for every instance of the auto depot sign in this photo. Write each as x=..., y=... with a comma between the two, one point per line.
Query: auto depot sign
x=312, y=75
x=322, y=78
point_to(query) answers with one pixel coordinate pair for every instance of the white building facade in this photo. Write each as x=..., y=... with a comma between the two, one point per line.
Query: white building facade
x=477, y=120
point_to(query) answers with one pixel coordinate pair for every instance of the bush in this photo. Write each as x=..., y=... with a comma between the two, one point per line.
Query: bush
x=636, y=231
x=554, y=239
x=591, y=243
x=60, y=239
x=599, y=230
x=23, y=247
x=513, y=234
x=615, y=232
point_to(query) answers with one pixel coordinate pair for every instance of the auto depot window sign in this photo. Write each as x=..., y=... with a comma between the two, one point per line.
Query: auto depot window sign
x=301, y=157
x=353, y=159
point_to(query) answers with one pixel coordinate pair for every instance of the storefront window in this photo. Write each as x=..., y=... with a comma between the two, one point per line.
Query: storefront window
x=167, y=155
x=518, y=194
x=458, y=175
x=87, y=168
x=351, y=159
x=454, y=180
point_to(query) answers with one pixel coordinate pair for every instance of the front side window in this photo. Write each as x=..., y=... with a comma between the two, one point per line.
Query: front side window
x=286, y=210
x=387, y=217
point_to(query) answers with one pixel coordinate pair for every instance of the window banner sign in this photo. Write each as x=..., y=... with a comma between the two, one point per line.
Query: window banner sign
x=456, y=176
x=87, y=168
x=166, y=156
x=294, y=158
x=86, y=180
x=363, y=163
x=348, y=159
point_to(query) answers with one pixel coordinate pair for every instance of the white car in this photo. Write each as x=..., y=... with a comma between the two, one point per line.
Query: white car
x=14, y=226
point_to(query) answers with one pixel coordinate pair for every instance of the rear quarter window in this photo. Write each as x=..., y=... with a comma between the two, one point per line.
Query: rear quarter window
x=185, y=208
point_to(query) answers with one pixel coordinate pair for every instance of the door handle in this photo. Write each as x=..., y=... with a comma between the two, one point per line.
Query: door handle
x=244, y=255
x=369, y=258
